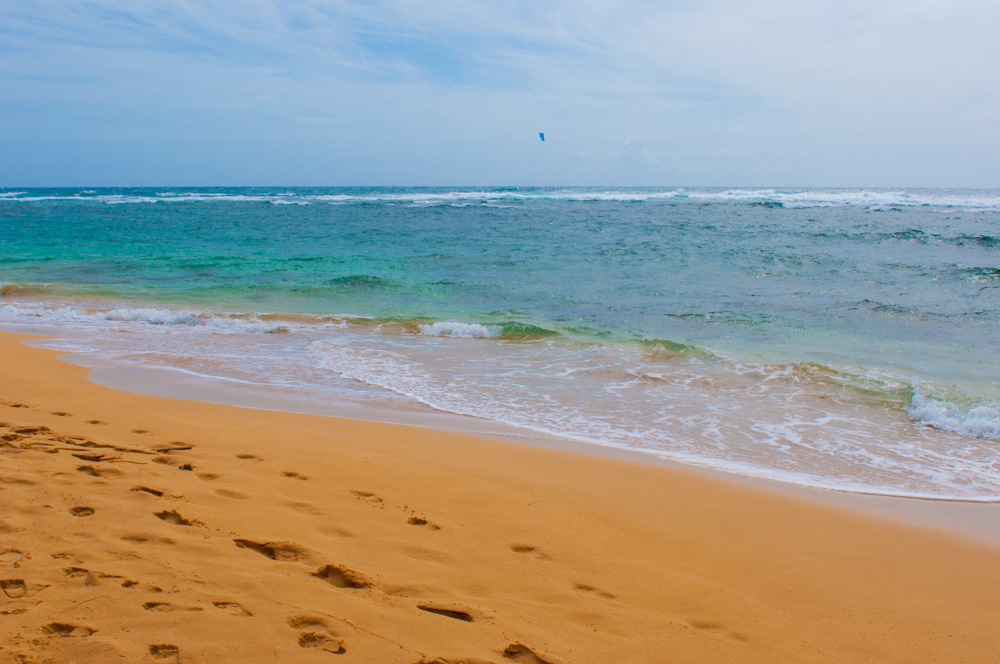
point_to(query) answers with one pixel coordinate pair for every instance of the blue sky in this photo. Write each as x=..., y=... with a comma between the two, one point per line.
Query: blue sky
x=453, y=92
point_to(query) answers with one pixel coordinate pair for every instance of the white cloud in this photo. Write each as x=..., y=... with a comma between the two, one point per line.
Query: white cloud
x=723, y=92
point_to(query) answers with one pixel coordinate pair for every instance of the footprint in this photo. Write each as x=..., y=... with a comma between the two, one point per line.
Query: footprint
x=293, y=474
x=185, y=466
x=59, y=413
x=146, y=538
x=79, y=572
x=66, y=556
x=73, y=572
x=95, y=422
x=65, y=629
x=163, y=651
x=96, y=457
x=13, y=588
x=154, y=492
x=447, y=613
x=528, y=549
x=226, y=493
x=365, y=495
x=718, y=628
x=29, y=431
x=232, y=608
x=208, y=477
x=305, y=622
x=173, y=447
x=173, y=517
x=420, y=521
x=98, y=472
x=274, y=550
x=139, y=431
x=709, y=625
x=341, y=577
x=249, y=456
x=523, y=654
x=306, y=508
x=322, y=642
x=591, y=589
x=158, y=606
x=82, y=511
x=10, y=556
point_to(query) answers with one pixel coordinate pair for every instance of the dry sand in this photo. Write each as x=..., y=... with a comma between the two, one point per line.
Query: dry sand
x=137, y=528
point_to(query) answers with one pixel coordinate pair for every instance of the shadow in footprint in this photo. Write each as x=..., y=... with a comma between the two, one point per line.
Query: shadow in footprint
x=420, y=521
x=172, y=447
x=171, y=516
x=98, y=472
x=248, y=457
x=232, y=608
x=341, y=577
x=13, y=588
x=591, y=589
x=147, y=538
x=65, y=629
x=96, y=457
x=447, y=613
x=523, y=654
x=146, y=489
x=80, y=573
x=322, y=642
x=274, y=550
x=366, y=495
x=158, y=606
x=163, y=651
x=293, y=475
x=9, y=556
x=529, y=550
x=81, y=511
x=717, y=628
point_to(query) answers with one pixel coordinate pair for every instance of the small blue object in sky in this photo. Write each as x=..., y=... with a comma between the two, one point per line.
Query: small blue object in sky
x=541, y=135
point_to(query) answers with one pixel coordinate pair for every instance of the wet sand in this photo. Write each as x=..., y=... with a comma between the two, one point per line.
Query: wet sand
x=140, y=528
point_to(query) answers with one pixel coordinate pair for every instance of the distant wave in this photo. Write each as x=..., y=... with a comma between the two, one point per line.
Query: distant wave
x=767, y=197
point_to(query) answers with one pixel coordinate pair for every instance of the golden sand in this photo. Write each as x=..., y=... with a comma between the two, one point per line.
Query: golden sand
x=137, y=528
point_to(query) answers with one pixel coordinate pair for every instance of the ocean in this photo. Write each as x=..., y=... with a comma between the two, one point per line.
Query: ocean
x=839, y=338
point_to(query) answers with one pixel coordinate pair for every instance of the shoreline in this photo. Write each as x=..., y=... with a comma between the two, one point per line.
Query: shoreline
x=197, y=532
x=978, y=520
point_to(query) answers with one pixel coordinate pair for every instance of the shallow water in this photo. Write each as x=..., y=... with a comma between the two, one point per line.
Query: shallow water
x=839, y=338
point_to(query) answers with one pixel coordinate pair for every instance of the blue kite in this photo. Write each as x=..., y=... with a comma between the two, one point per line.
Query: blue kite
x=541, y=135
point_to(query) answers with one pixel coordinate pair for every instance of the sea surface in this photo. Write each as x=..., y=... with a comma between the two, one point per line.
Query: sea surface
x=839, y=338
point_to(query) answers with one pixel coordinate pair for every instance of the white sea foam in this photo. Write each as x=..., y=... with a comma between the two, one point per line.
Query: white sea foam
x=779, y=421
x=139, y=315
x=457, y=329
x=980, y=421
x=984, y=200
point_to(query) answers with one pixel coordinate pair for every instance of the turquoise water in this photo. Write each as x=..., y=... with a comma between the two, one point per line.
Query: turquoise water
x=843, y=338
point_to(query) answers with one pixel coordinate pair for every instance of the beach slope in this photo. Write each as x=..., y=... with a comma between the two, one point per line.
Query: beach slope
x=136, y=528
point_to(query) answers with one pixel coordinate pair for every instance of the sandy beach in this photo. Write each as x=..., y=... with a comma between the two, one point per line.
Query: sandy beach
x=138, y=528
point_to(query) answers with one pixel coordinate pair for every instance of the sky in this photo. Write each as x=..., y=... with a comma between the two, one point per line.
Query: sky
x=857, y=93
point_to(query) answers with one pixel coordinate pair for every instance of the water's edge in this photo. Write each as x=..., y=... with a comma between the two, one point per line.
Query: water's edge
x=976, y=521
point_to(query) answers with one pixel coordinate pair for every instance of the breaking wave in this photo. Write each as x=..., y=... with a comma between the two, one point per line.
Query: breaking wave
x=872, y=199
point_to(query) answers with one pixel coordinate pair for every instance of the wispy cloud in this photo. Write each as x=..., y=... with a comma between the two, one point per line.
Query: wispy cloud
x=849, y=92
